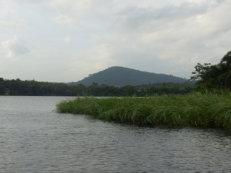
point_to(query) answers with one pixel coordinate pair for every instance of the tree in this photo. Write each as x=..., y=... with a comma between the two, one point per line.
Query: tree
x=214, y=76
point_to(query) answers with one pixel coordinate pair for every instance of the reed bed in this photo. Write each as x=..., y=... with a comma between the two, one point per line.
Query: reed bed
x=193, y=110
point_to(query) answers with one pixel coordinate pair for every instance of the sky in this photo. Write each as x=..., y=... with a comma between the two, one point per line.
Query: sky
x=66, y=40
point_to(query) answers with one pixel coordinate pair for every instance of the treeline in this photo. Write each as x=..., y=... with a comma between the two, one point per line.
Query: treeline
x=213, y=77
x=34, y=88
x=129, y=90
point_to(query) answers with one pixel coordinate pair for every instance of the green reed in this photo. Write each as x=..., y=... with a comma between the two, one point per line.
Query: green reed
x=193, y=110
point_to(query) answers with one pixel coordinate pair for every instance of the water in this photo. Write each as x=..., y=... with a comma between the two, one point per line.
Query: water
x=35, y=139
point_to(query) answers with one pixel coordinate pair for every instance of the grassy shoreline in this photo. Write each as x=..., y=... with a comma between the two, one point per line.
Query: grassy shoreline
x=192, y=110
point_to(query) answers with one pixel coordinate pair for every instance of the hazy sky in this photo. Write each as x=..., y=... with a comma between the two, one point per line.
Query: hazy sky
x=66, y=40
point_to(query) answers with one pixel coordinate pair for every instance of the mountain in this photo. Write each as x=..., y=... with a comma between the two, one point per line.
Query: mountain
x=121, y=76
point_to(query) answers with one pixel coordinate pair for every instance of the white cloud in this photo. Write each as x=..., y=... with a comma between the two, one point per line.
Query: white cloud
x=178, y=36
x=168, y=36
x=91, y=60
x=14, y=46
x=67, y=40
x=63, y=20
x=9, y=17
x=77, y=7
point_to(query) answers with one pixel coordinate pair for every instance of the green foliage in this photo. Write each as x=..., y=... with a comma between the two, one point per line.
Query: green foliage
x=216, y=76
x=33, y=88
x=192, y=110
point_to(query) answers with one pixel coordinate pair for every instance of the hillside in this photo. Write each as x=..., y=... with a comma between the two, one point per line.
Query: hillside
x=121, y=76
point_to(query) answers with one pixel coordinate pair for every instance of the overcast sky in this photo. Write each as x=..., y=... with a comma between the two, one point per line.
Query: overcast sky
x=66, y=40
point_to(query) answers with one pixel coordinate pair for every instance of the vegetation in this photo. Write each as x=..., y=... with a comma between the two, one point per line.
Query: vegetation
x=121, y=76
x=34, y=88
x=192, y=110
x=216, y=76
x=205, y=109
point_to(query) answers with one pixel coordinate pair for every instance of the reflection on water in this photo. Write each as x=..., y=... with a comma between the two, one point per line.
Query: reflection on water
x=34, y=138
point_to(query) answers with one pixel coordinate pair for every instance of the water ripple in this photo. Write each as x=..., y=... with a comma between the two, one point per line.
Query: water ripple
x=33, y=138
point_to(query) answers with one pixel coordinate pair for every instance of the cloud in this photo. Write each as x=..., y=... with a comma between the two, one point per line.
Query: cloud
x=77, y=7
x=63, y=20
x=176, y=36
x=173, y=35
x=166, y=13
x=148, y=19
x=9, y=17
x=168, y=36
x=14, y=47
x=67, y=40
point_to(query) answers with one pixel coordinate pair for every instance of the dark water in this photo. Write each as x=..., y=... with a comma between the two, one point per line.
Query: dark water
x=35, y=139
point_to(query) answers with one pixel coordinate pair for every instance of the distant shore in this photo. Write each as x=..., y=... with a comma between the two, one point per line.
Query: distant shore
x=192, y=110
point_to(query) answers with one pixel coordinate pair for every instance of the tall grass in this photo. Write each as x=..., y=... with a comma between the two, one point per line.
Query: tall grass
x=194, y=110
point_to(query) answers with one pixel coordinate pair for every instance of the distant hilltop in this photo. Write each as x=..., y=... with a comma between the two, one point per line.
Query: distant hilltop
x=121, y=76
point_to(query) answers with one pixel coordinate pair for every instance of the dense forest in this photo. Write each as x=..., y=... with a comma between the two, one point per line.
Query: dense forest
x=34, y=88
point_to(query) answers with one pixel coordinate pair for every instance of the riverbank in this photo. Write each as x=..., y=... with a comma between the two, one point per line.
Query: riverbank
x=192, y=110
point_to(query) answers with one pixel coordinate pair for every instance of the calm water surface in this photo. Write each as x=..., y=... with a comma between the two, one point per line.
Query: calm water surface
x=35, y=139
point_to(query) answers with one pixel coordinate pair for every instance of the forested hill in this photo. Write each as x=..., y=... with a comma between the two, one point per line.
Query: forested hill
x=121, y=76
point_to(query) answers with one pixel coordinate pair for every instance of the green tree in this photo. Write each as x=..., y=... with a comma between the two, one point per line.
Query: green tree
x=214, y=76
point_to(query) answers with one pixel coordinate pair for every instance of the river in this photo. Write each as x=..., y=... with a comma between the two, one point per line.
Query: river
x=36, y=139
